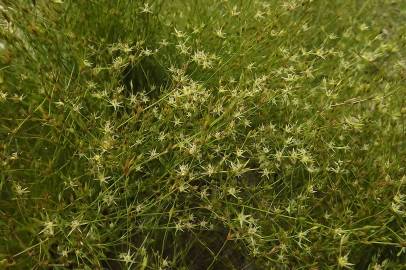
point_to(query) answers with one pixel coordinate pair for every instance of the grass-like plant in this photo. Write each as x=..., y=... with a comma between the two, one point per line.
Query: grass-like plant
x=202, y=134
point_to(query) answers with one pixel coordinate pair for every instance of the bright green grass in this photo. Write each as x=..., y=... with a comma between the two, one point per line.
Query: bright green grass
x=202, y=134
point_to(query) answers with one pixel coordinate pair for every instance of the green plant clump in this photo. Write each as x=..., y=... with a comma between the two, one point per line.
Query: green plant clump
x=202, y=134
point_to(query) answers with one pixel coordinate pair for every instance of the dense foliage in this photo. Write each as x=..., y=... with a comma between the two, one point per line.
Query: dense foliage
x=202, y=134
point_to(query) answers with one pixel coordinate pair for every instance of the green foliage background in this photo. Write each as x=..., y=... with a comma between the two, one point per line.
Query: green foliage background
x=202, y=134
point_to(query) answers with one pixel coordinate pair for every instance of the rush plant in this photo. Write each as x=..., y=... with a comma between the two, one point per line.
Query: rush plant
x=202, y=134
